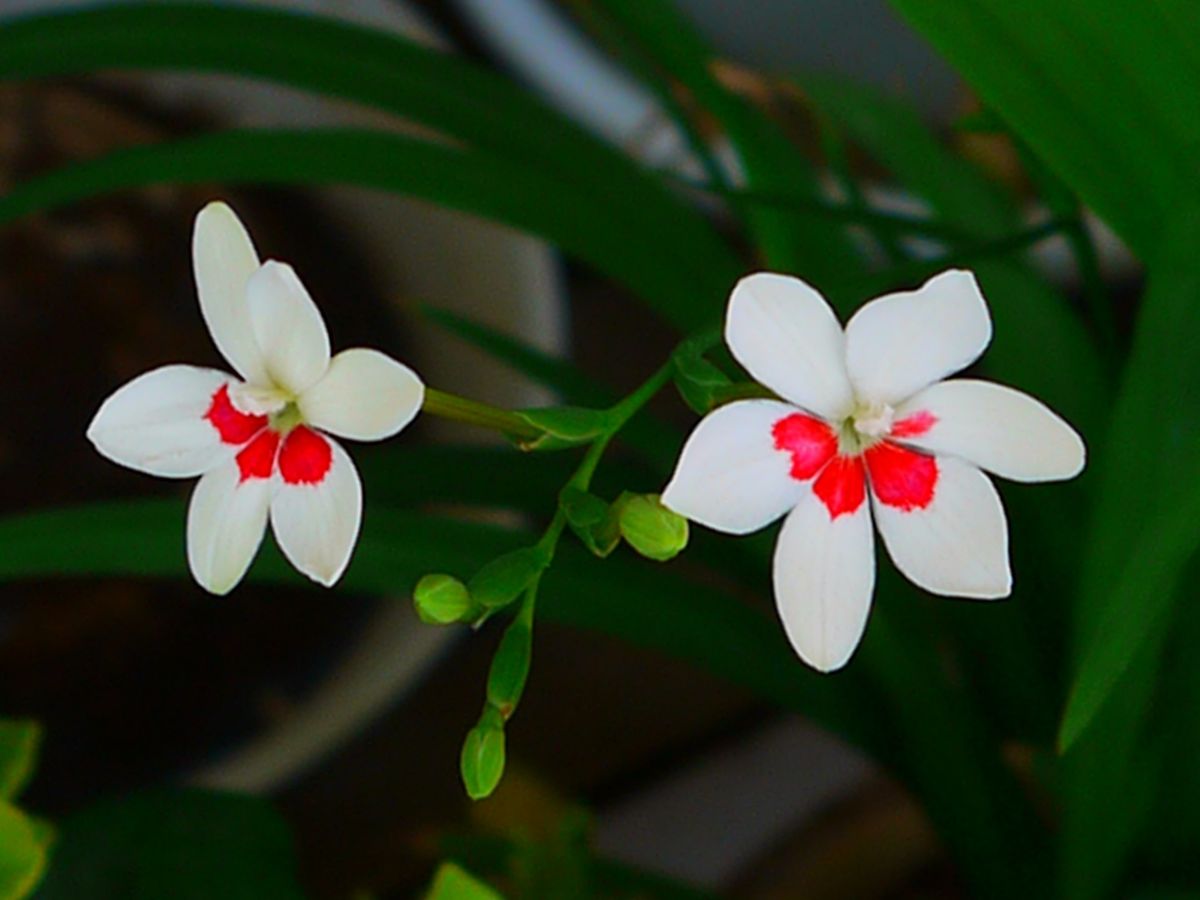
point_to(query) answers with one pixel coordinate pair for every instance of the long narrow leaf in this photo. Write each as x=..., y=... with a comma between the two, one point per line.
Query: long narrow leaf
x=628, y=598
x=614, y=242
x=1101, y=90
x=1151, y=476
x=373, y=68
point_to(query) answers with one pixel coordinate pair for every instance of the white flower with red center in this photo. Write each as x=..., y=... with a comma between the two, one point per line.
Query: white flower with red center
x=867, y=427
x=259, y=442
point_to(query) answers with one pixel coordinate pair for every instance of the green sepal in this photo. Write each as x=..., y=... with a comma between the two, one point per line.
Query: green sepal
x=482, y=760
x=503, y=579
x=592, y=520
x=443, y=599
x=650, y=528
x=698, y=381
x=562, y=426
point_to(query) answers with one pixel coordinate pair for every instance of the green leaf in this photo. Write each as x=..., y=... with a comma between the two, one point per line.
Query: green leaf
x=591, y=519
x=182, y=844
x=650, y=528
x=545, y=369
x=564, y=426
x=20, y=740
x=470, y=180
x=443, y=599
x=482, y=761
x=1102, y=90
x=624, y=597
x=453, y=883
x=22, y=854
x=793, y=240
x=381, y=70
x=504, y=578
x=1150, y=475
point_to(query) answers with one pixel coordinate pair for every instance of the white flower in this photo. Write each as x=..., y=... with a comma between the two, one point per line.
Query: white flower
x=259, y=442
x=865, y=414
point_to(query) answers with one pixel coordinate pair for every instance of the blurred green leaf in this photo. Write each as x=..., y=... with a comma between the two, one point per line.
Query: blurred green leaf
x=791, y=240
x=650, y=528
x=1104, y=91
x=1150, y=475
x=504, y=578
x=501, y=855
x=1169, y=850
x=627, y=598
x=443, y=599
x=469, y=180
x=182, y=844
x=564, y=426
x=20, y=740
x=23, y=853
x=652, y=440
x=453, y=883
x=392, y=73
x=545, y=369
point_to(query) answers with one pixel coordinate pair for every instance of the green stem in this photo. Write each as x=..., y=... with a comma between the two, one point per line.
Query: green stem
x=887, y=222
x=1009, y=244
x=460, y=409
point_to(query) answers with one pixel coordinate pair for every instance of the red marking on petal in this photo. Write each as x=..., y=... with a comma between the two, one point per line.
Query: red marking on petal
x=914, y=426
x=841, y=485
x=305, y=457
x=811, y=442
x=257, y=459
x=901, y=477
x=234, y=426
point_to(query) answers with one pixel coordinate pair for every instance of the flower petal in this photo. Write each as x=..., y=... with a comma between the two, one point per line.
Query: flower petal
x=224, y=259
x=365, y=396
x=824, y=574
x=899, y=343
x=996, y=428
x=785, y=335
x=730, y=474
x=288, y=328
x=317, y=509
x=160, y=422
x=957, y=543
x=227, y=518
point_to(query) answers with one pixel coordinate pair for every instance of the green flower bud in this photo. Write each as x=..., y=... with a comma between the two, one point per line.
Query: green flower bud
x=650, y=528
x=443, y=599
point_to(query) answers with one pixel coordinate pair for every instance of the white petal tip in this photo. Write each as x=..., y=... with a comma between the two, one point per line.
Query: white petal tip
x=325, y=579
x=826, y=667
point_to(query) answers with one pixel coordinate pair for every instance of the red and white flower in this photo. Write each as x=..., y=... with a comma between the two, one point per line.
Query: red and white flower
x=260, y=442
x=867, y=427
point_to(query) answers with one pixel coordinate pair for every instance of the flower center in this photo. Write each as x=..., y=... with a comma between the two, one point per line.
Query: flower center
x=255, y=400
x=865, y=427
x=287, y=418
